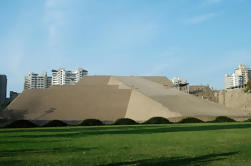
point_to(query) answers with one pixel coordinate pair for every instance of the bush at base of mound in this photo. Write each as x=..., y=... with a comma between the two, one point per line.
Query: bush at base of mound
x=222, y=119
x=55, y=123
x=125, y=121
x=248, y=120
x=191, y=120
x=91, y=122
x=20, y=124
x=157, y=120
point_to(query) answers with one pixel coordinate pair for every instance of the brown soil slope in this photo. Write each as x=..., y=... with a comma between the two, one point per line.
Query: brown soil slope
x=176, y=101
x=110, y=98
x=91, y=98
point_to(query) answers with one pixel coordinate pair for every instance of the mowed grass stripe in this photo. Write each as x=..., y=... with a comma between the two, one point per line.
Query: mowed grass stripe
x=170, y=144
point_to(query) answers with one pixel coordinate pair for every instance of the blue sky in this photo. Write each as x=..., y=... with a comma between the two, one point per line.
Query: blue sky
x=199, y=40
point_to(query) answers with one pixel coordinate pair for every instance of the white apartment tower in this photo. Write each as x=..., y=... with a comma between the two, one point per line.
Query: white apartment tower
x=239, y=79
x=234, y=81
x=244, y=71
x=64, y=77
x=37, y=81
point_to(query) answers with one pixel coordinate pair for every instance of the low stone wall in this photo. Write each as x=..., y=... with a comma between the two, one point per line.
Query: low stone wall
x=236, y=99
x=204, y=92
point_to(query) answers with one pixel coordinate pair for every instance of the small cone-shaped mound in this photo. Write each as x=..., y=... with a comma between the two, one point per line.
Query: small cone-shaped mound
x=223, y=119
x=91, y=122
x=55, y=123
x=157, y=120
x=21, y=124
x=191, y=120
x=125, y=121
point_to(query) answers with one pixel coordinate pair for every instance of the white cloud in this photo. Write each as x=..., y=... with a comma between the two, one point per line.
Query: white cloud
x=200, y=18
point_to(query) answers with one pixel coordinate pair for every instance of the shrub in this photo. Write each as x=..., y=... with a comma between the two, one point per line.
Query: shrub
x=191, y=120
x=248, y=88
x=20, y=124
x=55, y=123
x=125, y=121
x=157, y=120
x=91, y=122
x=248, y=120
x=222, y=119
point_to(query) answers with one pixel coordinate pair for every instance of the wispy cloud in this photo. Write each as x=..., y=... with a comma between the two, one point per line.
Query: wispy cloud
x=167, y=63
x=55, y=23
x=200, y=18
x=206, y=3
x=54, y=19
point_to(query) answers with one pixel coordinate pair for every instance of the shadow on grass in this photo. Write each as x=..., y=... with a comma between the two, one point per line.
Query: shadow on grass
x=177, y=161
x=76, y=128
x=10, y=153
x=28, y=142
x=81, y=132
x=11, y=163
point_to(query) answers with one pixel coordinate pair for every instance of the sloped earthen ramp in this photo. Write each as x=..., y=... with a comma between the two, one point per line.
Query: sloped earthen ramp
x=112, y=97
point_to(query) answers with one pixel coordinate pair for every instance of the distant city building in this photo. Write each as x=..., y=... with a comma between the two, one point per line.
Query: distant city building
x=181, y=84
x=59, y=77
x=243, y=71
x=239, y=78
x=37, y=81
x=64, y=77
x=233, y=81
x=3, y=88
x=13, y=95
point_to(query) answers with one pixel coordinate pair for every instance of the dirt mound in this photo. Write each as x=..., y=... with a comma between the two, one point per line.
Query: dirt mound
x=112, y=97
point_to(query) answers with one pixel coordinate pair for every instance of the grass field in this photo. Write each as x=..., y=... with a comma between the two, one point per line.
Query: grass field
x=171, y=144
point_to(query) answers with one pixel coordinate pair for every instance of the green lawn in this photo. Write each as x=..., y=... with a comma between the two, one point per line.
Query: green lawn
x=171, y=144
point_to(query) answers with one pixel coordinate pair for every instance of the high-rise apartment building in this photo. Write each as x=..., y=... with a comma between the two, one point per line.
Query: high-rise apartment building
x=37, y=81
x=64, y=77
x=243, y=70
x=59, y=77
x=3, y=88
x=249, y=74
x=233, y=81
x=239, y=78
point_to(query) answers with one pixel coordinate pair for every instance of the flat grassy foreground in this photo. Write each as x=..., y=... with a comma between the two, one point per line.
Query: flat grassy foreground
x=170, y=144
